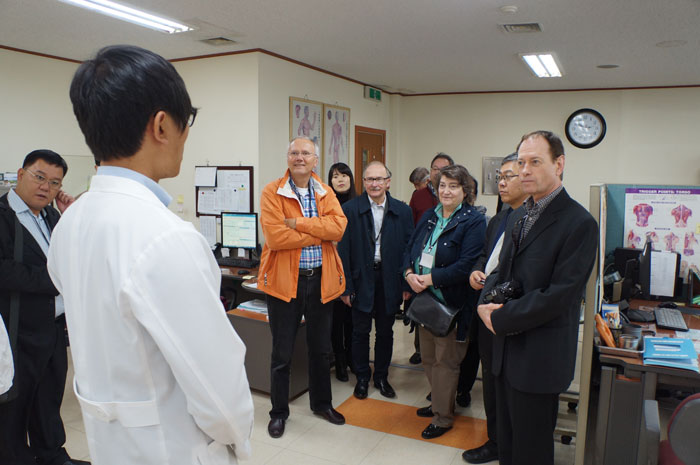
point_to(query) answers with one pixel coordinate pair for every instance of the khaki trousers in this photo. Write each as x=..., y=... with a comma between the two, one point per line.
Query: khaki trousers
x=441, y=358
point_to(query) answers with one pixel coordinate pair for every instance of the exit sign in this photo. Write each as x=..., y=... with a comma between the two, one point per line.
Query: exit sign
x=373, y=94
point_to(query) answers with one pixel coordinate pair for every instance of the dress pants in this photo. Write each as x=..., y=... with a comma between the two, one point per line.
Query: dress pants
x=40, y=377
x=485, y=345
x=384, y=335
x=341, y=334
x=284, y=323
x=441, y=358
x=526, y=424
x=469, y=367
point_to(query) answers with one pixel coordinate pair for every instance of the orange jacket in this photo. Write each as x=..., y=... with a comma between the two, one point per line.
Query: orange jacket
x=279, y=264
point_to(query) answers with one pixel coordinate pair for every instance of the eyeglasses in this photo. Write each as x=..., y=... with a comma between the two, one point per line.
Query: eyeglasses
x=40, y=180
x=296, y=153
x=193, y=116
x=505, y=177
x=375, y=180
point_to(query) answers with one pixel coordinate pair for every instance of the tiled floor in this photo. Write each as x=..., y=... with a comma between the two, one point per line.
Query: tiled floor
x=309, y=440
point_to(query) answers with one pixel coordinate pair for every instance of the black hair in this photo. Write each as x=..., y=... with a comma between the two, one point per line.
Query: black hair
x=342, y=168
x=49, y=156
x=115, y=95
x=444, y=156
x=508, y=158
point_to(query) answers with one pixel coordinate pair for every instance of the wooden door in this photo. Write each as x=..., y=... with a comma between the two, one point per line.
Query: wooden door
x=370, y=145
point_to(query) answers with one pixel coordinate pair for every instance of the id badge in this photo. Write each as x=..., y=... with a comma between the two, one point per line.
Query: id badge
x=426, y=260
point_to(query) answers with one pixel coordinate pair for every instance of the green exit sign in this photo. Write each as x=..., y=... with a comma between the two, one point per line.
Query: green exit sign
x=373, y=94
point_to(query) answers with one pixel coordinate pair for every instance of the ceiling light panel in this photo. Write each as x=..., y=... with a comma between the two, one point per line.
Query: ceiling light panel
x=542, y=64
x=131, y=15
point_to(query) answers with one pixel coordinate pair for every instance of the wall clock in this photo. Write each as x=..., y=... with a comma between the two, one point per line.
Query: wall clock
x=585, y=128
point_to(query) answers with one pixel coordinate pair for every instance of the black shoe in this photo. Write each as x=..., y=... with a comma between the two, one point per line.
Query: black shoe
x=463, y=399
x=385, y=388
x=432, y=431
x=332, y=416
x=486, y=453
x=429, y=397
x=76, y=462
x=276, y=427
x=361, y=388
x=415, y=359
x=341, y=370
x=426, y=412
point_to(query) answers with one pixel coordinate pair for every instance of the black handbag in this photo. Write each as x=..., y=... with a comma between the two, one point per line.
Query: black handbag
x=432, y=314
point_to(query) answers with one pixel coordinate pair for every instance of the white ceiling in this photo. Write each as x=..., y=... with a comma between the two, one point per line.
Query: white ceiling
x=420, y=46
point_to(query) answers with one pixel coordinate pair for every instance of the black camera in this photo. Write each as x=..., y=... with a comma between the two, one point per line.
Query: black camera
x=504, y=293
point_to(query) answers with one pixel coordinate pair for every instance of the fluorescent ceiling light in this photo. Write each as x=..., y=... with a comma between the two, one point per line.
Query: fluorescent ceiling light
x=543, y=64
x=131, y=15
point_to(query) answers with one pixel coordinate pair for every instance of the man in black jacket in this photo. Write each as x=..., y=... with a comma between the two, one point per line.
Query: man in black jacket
x=40, y=357
x=549, y=249
x=482, y=277
x=372, y=249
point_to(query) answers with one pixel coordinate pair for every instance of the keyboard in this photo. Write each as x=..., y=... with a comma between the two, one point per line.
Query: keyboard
x=670, y=318
x=237, y=262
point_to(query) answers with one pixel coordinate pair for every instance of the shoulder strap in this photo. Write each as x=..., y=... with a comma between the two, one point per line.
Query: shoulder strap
x=13, y=323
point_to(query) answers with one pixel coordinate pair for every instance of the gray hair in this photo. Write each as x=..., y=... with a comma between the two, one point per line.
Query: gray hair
x=419, y=174
x=316, y=149
x=377, y=162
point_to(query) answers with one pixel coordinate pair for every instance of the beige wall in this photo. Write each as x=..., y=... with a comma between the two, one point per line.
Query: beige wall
x=244, y=102
x=651, y=135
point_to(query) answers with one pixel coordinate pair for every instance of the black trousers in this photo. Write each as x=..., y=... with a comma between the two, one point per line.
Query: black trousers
x=468, y=368
x=485, y=345
x=384, y=335
x=40, y=377
x=284, y=323
x=341, y=334
x=526, y=424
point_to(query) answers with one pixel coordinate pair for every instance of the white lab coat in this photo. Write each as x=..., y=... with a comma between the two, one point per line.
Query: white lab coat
x=158, y=367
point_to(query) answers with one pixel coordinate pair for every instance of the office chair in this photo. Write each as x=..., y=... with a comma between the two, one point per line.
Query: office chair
x=682, y=446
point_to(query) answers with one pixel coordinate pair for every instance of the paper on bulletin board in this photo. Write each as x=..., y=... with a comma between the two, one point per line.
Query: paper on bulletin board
x=234, y=190
x=205, y=176
x=207, y=226
x=206, y=201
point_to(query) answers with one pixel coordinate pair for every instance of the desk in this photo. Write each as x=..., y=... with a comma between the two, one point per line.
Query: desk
x=254, y=329
x=625, y=384
x=231, y=285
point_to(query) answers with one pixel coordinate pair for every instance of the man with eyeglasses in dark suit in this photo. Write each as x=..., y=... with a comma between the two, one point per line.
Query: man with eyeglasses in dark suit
x=31, y=429
x=549, y=249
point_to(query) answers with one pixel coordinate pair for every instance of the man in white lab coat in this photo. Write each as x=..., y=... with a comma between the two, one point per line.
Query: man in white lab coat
x=158, y=368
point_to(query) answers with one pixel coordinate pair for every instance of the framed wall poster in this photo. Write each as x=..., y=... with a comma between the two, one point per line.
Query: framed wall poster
x=305, y=120
x=336, y=135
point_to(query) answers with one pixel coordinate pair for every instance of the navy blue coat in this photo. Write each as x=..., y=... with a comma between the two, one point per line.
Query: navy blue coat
x=356, y=250
x=458, y=247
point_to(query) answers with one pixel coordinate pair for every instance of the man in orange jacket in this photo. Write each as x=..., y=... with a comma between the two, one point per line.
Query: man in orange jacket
x=301, y=220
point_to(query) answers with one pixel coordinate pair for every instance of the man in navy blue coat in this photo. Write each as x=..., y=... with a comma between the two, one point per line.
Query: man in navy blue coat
x=372, y=249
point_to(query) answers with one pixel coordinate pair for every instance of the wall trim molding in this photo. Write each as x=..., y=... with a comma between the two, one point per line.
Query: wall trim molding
x=340, y=76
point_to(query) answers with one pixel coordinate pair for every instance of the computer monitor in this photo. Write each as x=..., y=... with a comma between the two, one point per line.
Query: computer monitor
x=239, y=230
x=658, y=274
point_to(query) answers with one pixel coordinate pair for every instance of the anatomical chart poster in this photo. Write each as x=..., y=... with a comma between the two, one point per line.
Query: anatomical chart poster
x=670, y=218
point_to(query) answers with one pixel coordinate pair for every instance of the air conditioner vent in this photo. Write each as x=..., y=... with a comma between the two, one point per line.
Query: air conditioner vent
x=218, y=41
x=521, y=28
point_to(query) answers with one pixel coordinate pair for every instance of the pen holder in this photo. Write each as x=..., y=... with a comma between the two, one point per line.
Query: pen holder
x=628, y=341
x=632, y=330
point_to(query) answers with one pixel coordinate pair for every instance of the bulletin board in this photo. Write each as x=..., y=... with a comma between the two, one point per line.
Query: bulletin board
x=223, y=188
